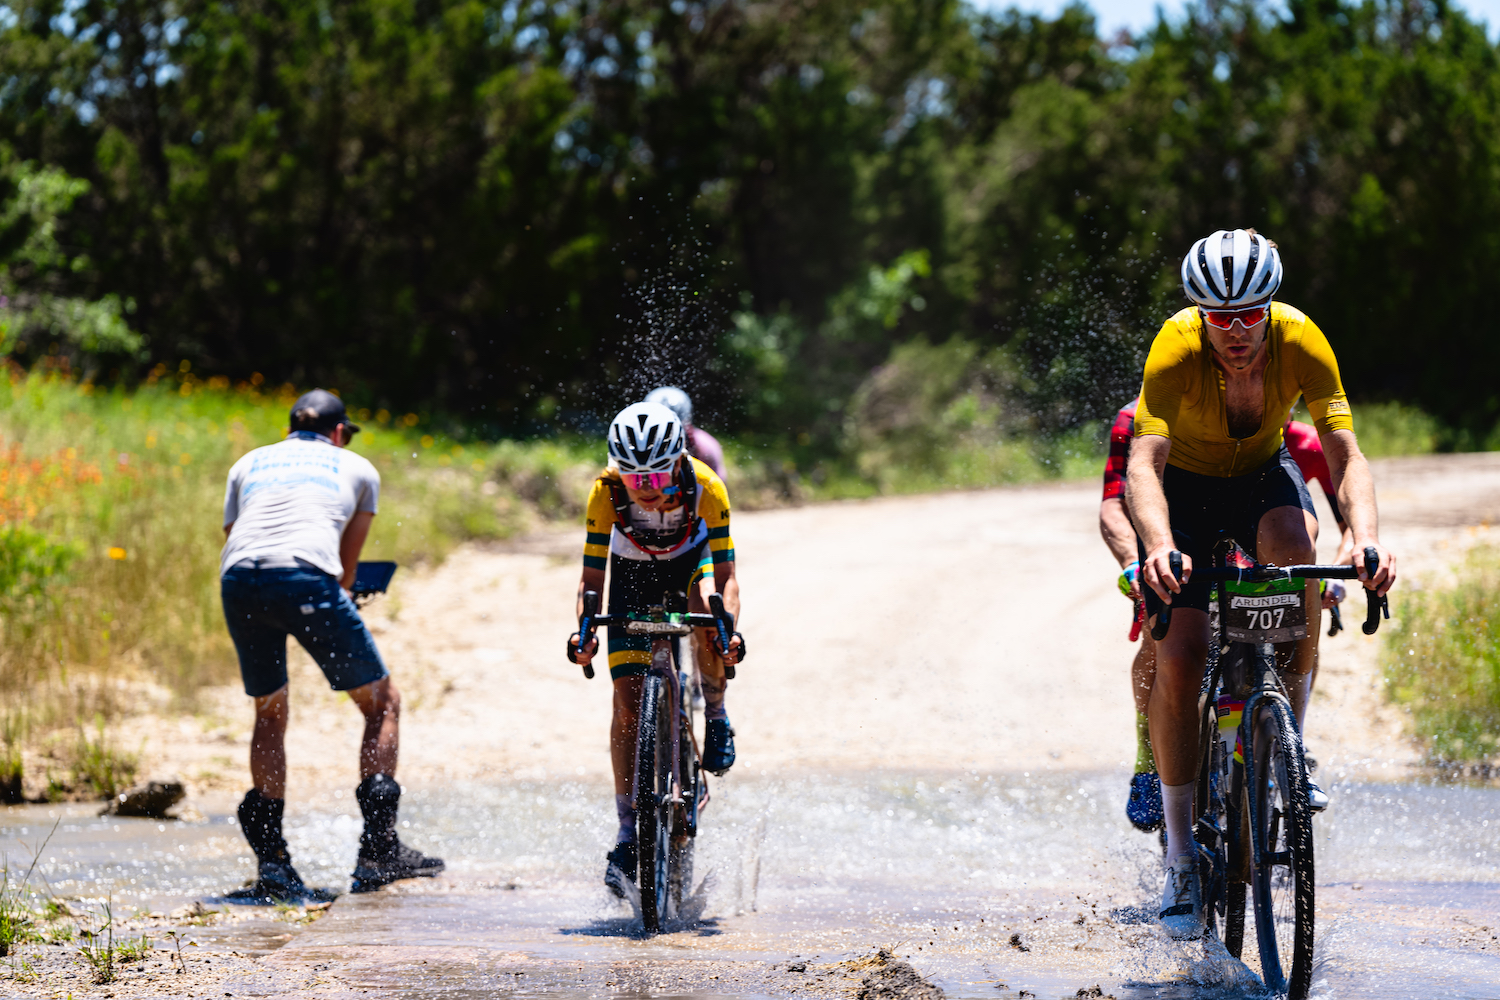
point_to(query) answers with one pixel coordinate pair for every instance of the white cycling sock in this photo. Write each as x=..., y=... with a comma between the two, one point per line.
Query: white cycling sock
x=1177, y=809
x=626, y=812
x=713, y=698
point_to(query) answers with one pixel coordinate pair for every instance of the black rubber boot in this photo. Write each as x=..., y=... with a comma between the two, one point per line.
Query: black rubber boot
x=260, y=819
x=276, y=881
x=379, y=797
x=382, y=857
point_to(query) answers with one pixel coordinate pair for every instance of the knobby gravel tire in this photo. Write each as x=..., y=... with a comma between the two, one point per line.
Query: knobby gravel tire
x=1281, y=828
x=653, y=809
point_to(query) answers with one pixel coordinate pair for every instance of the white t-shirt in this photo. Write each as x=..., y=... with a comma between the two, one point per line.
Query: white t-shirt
x=290, y=501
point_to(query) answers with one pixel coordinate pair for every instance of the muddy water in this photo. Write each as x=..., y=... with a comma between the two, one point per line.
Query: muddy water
x=949, y=870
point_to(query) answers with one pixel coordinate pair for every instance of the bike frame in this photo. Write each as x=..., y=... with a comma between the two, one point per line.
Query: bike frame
x=666, y=665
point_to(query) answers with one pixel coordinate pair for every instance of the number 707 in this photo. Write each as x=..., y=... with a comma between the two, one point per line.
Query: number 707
x=1270, y=618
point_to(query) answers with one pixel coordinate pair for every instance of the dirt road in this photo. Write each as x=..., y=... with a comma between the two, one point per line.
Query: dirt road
x=934, y=729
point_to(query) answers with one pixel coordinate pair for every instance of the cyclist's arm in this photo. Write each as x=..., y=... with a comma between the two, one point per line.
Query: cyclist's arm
x=593, y=579
x=1356, y=493
x=728, y=585
x=353, y=542
x=1117, y=531
x=1119, y=535
x=1148, y=509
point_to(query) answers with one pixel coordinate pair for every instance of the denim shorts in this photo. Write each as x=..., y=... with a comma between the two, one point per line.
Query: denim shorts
x=263, y=606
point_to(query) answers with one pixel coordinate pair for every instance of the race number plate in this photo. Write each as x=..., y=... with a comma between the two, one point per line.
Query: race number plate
x=1275, y=611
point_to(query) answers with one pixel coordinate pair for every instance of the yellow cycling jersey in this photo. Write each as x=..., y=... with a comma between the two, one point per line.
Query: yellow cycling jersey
x=1183, y=398
x=602, y=540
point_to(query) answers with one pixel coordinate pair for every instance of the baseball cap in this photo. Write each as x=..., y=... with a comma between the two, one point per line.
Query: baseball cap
x=320, y=411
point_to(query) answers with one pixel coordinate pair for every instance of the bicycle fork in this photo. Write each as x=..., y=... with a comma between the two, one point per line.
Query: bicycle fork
x=1268, y=688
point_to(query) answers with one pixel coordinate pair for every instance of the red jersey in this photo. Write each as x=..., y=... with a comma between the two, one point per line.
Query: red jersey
x=1301, y=441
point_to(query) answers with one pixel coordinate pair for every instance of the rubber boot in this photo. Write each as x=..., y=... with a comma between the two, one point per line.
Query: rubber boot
x=276, y=881
x=382, y=857
x=379, y=797
x=260, y=820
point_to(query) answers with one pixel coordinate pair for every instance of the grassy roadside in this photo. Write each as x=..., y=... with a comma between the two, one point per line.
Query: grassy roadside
x=1443, y=663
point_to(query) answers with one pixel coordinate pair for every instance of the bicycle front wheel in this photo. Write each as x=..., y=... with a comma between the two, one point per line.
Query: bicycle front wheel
x=653, y=802
x=1282, y=858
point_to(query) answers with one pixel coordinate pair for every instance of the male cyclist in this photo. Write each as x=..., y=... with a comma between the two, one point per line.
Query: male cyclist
x=659, y=520
x=700, y=444
x=1220, y=381
x=1143, y=807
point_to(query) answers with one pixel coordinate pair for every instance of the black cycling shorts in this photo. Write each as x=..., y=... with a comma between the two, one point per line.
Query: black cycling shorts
x=637, y=584
x=1201, y=507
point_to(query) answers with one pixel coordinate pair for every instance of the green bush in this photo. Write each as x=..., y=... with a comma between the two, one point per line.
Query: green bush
x=1442, y=661
x=1389, y=429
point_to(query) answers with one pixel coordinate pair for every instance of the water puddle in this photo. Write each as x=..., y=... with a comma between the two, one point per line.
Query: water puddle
x=986, y=884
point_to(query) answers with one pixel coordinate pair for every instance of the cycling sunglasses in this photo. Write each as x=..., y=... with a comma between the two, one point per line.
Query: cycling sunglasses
x=648, y=481
x=1224, y=318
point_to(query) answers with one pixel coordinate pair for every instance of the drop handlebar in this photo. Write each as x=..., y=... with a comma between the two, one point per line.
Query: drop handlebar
x=721, y=620
x=1377, y=605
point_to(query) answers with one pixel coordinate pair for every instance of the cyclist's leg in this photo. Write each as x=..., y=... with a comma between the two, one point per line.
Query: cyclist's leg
x=1174, y=721
x=1143, y=808
x=1285, y=537
x=1285, y=534
x=718, y=734
x=623, y=724
x=1143, y=673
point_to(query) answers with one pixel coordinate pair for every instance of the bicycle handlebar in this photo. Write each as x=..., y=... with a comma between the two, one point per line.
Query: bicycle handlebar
x=1377, y=605
x=721, y=620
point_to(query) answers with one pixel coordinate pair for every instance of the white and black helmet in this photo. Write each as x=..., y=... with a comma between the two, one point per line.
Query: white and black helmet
x=646, y=437
x=1231, y=268
x=674, y=399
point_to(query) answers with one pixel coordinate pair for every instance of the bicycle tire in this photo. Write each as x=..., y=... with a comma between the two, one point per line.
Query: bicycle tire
x=653, y=803
x=1235, y=825
x=684, y=830
x=1282, y=860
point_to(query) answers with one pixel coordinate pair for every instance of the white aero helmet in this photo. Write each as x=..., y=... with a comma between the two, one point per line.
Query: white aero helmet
x=1231, y=268
x=674, y=399
x=646, y=437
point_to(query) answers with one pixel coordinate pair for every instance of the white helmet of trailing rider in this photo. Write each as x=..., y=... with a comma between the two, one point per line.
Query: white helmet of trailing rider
x=646, y=437
x=1231, y=268
x=674, y=399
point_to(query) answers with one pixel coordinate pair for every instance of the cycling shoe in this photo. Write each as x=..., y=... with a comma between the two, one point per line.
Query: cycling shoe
x=620, y=867
x=370, y=873
x=1317, y=799
x=1144, y=806
x=1181, y=900
x=278, y=882
x=718, y=746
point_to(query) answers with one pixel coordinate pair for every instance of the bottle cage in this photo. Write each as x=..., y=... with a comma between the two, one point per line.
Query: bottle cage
x=648, y=540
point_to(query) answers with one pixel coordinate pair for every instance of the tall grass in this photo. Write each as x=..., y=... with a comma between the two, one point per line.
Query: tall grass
x=1443, y=661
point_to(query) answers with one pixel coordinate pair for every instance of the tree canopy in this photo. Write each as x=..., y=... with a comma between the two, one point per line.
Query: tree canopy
x=520, y=213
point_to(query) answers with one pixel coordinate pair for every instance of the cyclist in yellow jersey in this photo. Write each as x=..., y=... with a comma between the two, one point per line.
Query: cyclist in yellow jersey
x=1219, y=385
x=658, y=521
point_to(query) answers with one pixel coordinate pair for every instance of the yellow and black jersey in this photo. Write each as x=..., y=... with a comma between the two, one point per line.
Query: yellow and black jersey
x=603, y=538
